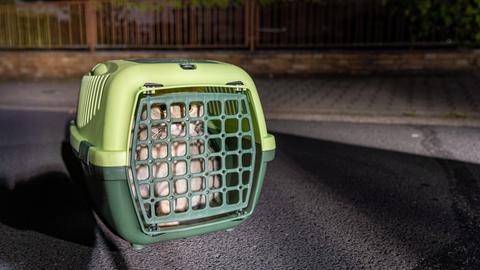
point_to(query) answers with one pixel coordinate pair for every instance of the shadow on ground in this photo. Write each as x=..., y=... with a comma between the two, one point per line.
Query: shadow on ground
x=50, y=204
x=49, y=223
x=397, y=191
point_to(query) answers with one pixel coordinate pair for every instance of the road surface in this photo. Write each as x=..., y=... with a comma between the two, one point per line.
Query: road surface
x=338, y=195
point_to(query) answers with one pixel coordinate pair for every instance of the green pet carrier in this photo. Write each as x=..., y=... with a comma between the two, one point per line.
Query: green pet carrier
x=171, y=148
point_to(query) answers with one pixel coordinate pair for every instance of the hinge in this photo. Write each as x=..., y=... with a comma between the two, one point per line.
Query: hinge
x=150, y=88
x=240, y=89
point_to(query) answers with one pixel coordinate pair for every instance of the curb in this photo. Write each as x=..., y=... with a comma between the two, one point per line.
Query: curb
x=377, y=119
x=317, y=117
x=36, y=108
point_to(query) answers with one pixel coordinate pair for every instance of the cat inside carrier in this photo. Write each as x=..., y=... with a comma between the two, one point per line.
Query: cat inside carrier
x=171, y=148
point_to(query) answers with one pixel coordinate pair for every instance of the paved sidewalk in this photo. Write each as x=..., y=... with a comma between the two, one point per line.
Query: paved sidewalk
x=414, y=99
x=452, y=99
x=54, y=95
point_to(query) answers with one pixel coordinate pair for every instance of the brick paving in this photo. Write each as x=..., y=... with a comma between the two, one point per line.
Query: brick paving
x=454, y=95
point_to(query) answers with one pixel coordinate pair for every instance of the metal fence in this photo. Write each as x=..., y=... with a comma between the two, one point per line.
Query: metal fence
x=170, y=27
x=43, y=25
x=249, y=25
x=331, y=23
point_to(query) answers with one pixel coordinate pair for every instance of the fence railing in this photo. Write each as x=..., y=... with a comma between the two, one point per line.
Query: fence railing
x=43, y=25
x=249, y=25
x=170, y=27
x=329, y=23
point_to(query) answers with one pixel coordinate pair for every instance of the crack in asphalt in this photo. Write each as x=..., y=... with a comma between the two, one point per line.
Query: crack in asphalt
x=464, y=252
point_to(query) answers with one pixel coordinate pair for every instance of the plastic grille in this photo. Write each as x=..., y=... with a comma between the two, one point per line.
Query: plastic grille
x=90, y=98
x=172, y=179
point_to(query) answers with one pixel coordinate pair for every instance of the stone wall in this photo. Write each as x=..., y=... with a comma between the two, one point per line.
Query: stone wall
x=62, y=64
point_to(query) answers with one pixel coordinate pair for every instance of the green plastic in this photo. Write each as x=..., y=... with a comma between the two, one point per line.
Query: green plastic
x=109, y=94
x=119, y=214
x=229, y=130
x=111, y=101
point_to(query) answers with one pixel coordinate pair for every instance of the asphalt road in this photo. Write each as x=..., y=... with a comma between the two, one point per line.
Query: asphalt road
x=337, y=195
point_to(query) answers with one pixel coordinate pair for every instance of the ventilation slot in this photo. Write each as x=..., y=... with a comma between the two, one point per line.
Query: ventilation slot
x=90, y=98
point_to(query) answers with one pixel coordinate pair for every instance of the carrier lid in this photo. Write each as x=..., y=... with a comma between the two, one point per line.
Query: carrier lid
x=170, y=61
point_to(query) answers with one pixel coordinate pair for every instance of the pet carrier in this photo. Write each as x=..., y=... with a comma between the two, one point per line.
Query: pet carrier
x=171, y=148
